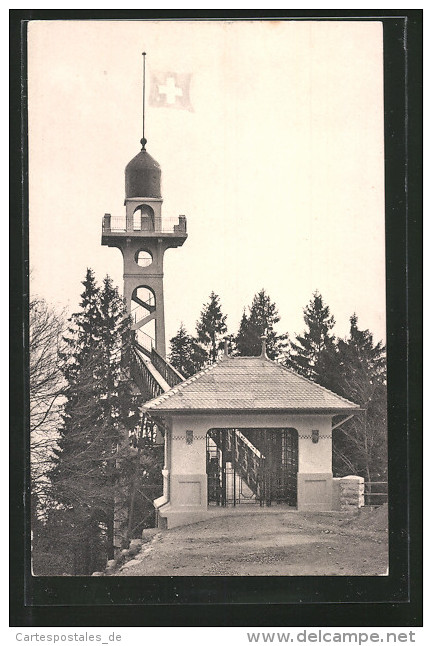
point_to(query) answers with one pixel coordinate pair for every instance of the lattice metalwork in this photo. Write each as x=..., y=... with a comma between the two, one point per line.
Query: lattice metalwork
x=144, y=379
x=252, y=466
x=170, y=374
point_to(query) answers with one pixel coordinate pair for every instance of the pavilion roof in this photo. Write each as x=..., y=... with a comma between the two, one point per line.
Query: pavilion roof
x=240, y=384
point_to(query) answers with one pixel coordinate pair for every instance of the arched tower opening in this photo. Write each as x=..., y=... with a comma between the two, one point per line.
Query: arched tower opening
x=143, y=314
x=143, y=218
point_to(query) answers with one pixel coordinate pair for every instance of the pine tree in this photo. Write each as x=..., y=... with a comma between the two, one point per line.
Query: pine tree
x=244, y=342
x=316, y=344
x=101, y=409
x=360, y=445
x=79, y=364
x=78, y=475
x=186, y=355
x=263, y=316
x=119, y=400
x=211, y=327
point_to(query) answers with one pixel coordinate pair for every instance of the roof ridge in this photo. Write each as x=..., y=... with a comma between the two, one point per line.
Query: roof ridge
x=257, y=356
x=309, y=381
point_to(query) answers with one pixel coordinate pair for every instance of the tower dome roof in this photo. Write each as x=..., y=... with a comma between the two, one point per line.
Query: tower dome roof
x=143, y=175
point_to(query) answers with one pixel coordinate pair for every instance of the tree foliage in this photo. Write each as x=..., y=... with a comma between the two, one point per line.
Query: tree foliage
x=354, y=368
x=101, y=409
x=261, y=320
x=211, y=326
x=360, y=445
x=186, y=355
x=46, y=329
x=145, y=483
x=309, y=349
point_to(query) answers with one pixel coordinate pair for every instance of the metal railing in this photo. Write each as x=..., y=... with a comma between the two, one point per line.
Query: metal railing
x=143, y=378
x=245, y=465
x=165, y=369
x=115, y=224
x=375, y=493
x=247, y=459
x=267, y=479
x=121, y=224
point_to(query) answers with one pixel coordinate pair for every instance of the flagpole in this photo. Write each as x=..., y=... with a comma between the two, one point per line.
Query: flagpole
x=143, y=140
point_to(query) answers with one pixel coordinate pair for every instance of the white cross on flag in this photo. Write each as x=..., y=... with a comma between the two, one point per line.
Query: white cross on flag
x=170, y=90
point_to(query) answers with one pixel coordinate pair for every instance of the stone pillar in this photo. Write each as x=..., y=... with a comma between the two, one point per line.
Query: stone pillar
x=351, y=492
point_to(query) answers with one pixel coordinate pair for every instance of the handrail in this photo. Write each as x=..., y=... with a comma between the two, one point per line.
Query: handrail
x=247, y=459
x=248, y=443
x=143, y=378
x=121, y=224
x=168, y=372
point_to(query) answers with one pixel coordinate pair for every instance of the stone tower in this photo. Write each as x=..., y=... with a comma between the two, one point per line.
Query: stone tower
x=143, y=236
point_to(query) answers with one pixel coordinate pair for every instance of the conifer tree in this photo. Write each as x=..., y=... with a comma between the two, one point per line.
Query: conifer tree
x=262, y=318
x=101, y=409
x=119, y=400
x=211, y=327
x=360, y=445
x=78, y=475
x=186, y=355
x=244, y=344
x=316, y=344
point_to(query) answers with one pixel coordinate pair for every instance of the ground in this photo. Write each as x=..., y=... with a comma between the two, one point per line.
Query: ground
x=260, y=542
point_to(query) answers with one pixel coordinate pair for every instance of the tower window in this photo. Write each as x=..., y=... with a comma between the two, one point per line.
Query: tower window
x=143, y=258
x=143, y=218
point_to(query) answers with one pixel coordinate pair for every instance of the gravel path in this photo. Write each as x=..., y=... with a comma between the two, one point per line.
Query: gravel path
x=269, y=543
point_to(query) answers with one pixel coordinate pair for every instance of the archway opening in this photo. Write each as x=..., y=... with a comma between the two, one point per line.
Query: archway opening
x=252, y=466
x=143, y=316
x=143, y=218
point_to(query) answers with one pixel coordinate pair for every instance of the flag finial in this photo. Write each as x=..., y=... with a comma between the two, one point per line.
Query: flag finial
x=143, y=140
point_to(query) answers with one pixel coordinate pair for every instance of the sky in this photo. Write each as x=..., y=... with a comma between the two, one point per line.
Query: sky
x=278, y=167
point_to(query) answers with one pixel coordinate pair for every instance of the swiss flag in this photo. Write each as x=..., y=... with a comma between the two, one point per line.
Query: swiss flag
x=170, y=90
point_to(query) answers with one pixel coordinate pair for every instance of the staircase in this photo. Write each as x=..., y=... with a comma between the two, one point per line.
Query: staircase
x=245, y=459
x=260, y=457
x=171, y=376
x=152, y=377
x=248, y=461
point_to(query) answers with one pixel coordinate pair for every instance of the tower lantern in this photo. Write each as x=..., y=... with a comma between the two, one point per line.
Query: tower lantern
x=143, y=236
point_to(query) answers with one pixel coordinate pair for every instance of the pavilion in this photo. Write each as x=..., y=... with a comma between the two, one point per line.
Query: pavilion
x=246, y=430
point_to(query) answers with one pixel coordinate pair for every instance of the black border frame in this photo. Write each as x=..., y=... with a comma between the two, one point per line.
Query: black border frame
x=395, y=600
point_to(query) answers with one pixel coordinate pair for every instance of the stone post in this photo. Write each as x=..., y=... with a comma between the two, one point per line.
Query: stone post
x=351, y=492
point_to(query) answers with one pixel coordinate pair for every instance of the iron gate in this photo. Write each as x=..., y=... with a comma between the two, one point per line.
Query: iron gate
x=252, y=466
